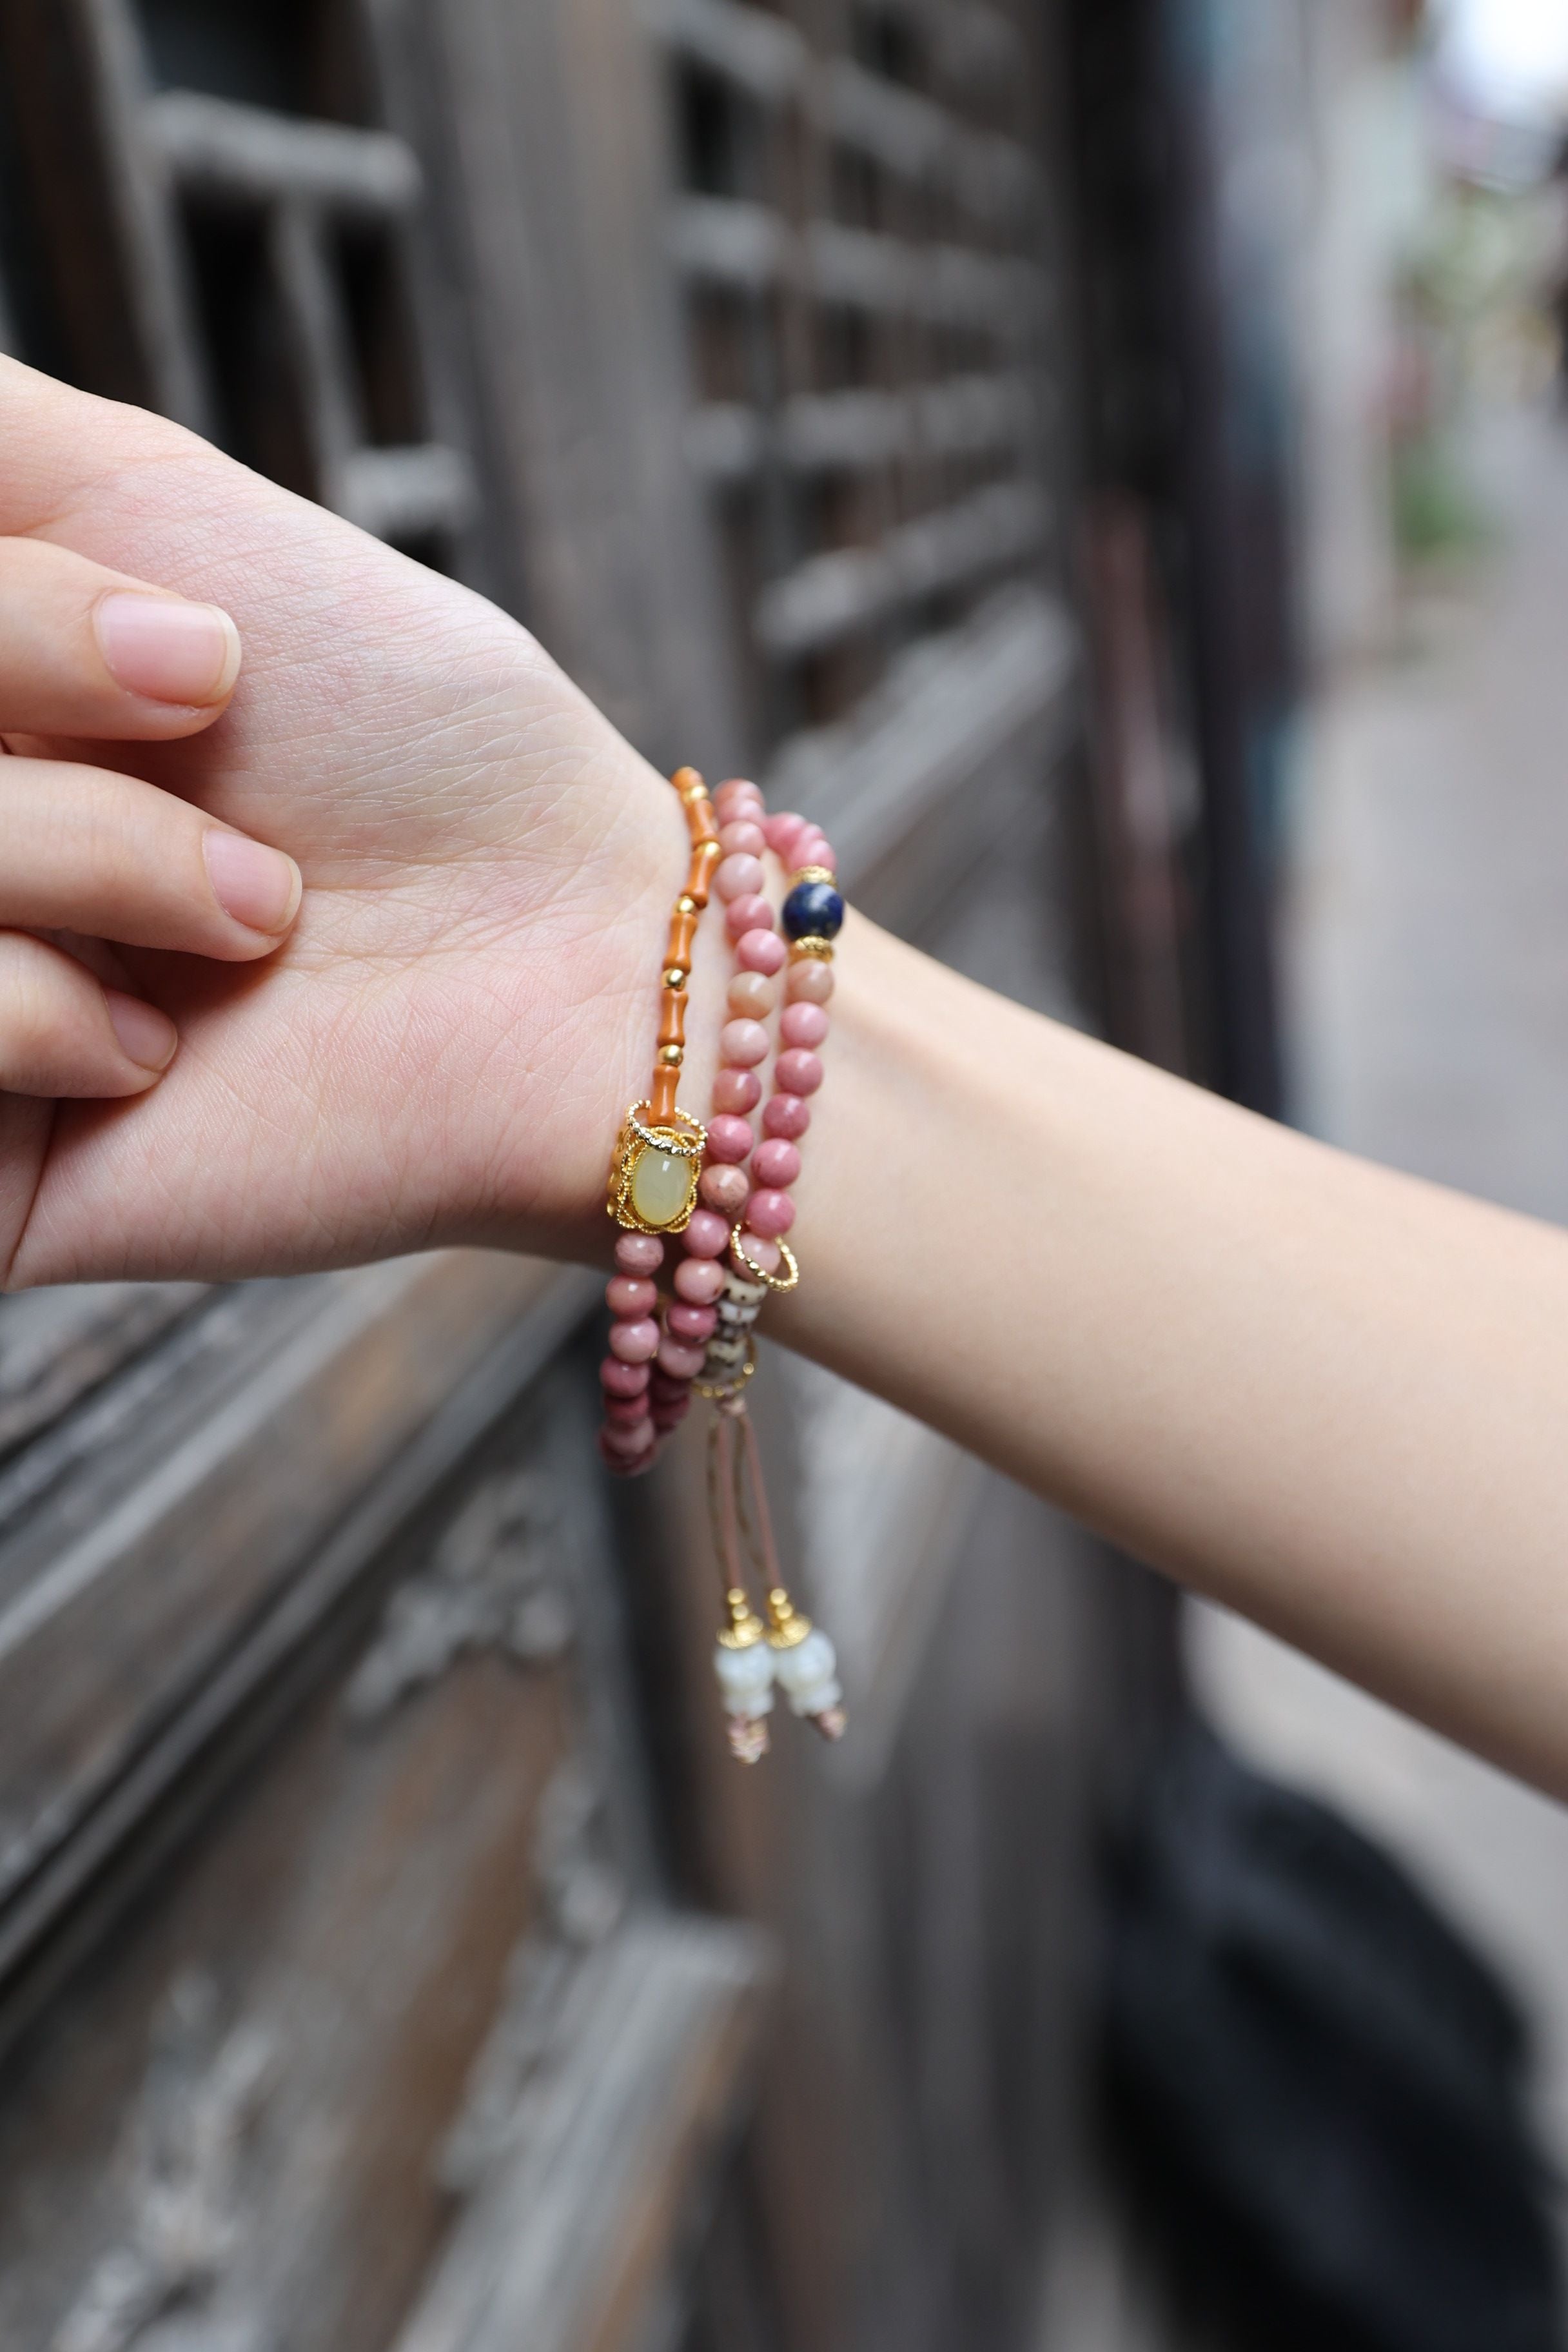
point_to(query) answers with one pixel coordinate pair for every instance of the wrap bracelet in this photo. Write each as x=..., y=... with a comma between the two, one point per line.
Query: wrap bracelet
x=733, y=1214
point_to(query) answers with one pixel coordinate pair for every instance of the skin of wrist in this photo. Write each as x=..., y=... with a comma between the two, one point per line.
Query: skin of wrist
x=890, y=1157
x=651, y=848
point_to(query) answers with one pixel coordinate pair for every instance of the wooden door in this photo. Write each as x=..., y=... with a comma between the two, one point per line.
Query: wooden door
x=390, y=1956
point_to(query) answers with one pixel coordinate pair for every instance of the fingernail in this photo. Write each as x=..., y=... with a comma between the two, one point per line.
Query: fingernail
x=145, y=1034
x=167, y=650
x=258, y=886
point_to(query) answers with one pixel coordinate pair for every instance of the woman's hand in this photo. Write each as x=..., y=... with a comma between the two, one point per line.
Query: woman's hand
x=443, y=1045
x=88, y=653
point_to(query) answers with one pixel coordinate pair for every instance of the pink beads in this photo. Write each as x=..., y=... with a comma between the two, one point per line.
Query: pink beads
x=737, y=796
x=738, y=877
x=775, y=1162
x=691, y=1323
x=742, y=838
x=681, y=1364
x=781, y=832
x=802, y=1024
x=761, y=1251
x=635, y=1343
x=786, y=1115
x=699, y=1280
x=745, y=1043
x=754, y=996
x=750, y=913
x=706, y=1235
x=623, y=1439
x=760, y=950
x=639, y=1253
x=618, y=1379
x=770, y=1214
x=729, y=1139
x=809, y=981
x=629, y=1296
x=737, y=1090
x=723, y=1190
x=797, y=1073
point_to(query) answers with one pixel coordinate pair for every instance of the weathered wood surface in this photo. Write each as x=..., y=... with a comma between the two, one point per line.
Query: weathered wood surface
x=344, y=2000
x=128, y=1588
x=404, y=1992
x=556, y=164
x=568, y=2246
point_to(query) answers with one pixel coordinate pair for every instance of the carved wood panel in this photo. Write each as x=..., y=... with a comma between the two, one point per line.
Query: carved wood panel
x=410, y=1964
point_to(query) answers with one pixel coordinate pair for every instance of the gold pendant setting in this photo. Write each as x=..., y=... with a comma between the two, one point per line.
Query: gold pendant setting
x=654, y=1171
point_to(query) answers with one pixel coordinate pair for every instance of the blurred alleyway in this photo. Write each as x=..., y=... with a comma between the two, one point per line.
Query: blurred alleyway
x=1427, y=968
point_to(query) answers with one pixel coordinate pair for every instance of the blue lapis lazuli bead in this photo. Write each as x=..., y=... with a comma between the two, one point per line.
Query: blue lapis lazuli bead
x=814, y=910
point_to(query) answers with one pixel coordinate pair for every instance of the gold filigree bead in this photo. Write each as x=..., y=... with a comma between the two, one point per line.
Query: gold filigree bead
x=787, y=1625
x=745, y=1629
x=654, y=1174
x=819, y=951
x=813, y=873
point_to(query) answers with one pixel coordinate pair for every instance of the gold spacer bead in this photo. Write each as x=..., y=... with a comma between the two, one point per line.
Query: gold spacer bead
x=820, y=950
x=787, y=1625
x=686, y=904
x=672, y=1057
x=675, y=977
x=813, y=873
x=743, y=1628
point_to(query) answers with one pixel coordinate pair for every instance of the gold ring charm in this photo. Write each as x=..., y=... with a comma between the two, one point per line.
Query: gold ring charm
x=774, y=1281
x=654, y=1171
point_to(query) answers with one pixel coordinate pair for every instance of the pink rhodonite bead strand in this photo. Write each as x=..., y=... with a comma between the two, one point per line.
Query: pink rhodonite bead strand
x=803, y=1027
x=699, y=1319
x=767, y=1213
x=626, y=1435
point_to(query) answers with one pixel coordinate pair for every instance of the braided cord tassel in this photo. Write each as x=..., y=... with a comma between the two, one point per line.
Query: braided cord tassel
x=743, y=1657
x=804, y=1662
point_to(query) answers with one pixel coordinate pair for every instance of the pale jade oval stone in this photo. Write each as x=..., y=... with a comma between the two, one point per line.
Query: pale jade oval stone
x=662, y=1184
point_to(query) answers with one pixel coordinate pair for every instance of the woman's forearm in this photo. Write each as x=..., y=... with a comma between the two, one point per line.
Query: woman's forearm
x=1328, y=1394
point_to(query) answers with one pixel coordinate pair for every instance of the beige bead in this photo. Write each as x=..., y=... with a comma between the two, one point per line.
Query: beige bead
x=809, y=982
x=752, y=995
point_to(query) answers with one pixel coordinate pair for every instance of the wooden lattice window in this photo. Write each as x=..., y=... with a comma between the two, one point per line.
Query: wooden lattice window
x=223, y=231
x=859, y=233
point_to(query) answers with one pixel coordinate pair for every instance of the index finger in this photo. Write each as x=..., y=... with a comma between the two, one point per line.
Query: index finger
x=88, y=652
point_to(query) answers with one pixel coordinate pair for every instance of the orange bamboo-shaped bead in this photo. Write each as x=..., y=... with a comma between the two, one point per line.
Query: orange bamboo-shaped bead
x=704, y=858
x=677, y=952
x=672, y=1018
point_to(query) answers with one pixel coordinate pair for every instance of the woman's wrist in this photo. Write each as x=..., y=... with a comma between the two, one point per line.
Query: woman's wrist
x=913, y=1149
x=548, y=1191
